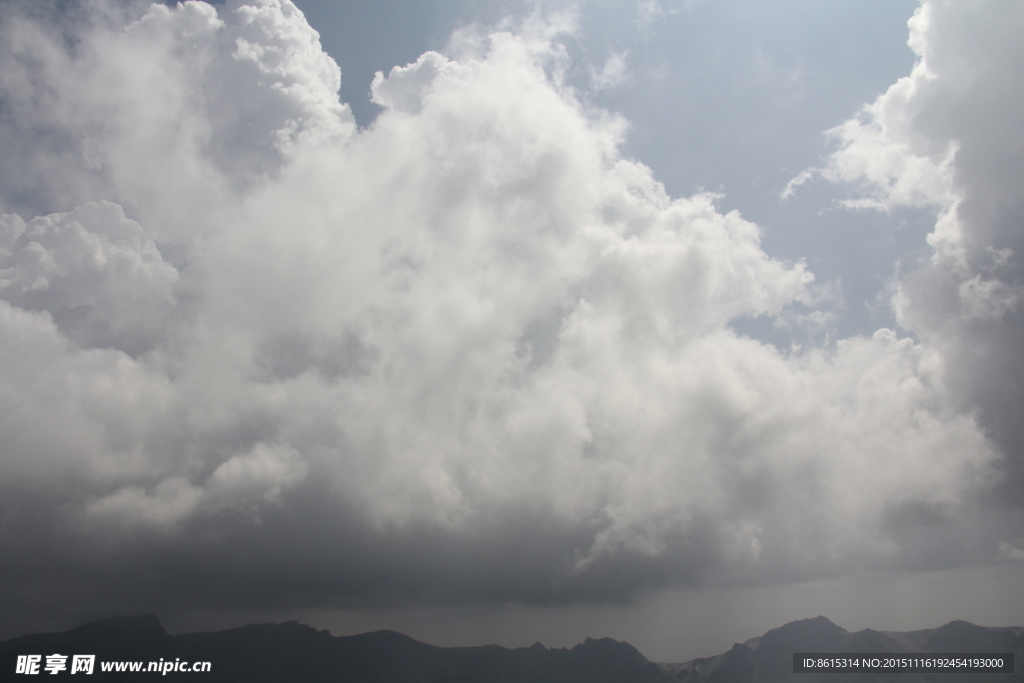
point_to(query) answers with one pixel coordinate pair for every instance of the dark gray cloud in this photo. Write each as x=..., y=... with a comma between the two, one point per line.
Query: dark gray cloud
x=253, y=358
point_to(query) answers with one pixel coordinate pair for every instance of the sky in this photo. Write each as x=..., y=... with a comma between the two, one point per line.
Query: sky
x=494, y=321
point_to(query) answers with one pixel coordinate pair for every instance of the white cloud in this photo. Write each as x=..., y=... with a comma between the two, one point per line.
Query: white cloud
x=613, y=72
x=240, y=484
x=796, y=181
x=162, y=113
x=473, y=322
x=947, y=136
x=651, y=11
x=96, y=272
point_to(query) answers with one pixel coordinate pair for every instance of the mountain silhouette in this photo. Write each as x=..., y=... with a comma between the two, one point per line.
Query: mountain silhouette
x=294, y=653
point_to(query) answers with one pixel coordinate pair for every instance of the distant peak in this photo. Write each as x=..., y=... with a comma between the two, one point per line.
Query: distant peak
x=607, y=647
x=818, y=623
x=592, y=642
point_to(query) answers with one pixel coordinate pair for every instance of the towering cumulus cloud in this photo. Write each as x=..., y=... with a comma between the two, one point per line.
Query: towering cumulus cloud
x=251, y=355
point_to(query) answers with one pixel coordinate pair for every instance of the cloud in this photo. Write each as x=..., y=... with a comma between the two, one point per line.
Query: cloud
x=96, y=272
x=160, y=113
x=1009, y=551
x=258, y=476
x=649, y=12
x=251, y=355
x=612, y=73
x=945, y=137
x=796, y=181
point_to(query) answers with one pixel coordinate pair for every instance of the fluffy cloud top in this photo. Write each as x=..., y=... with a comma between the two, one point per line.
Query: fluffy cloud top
x=470, y=352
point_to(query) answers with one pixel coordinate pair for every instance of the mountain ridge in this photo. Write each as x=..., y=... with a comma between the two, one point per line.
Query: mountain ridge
x=291, y=651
